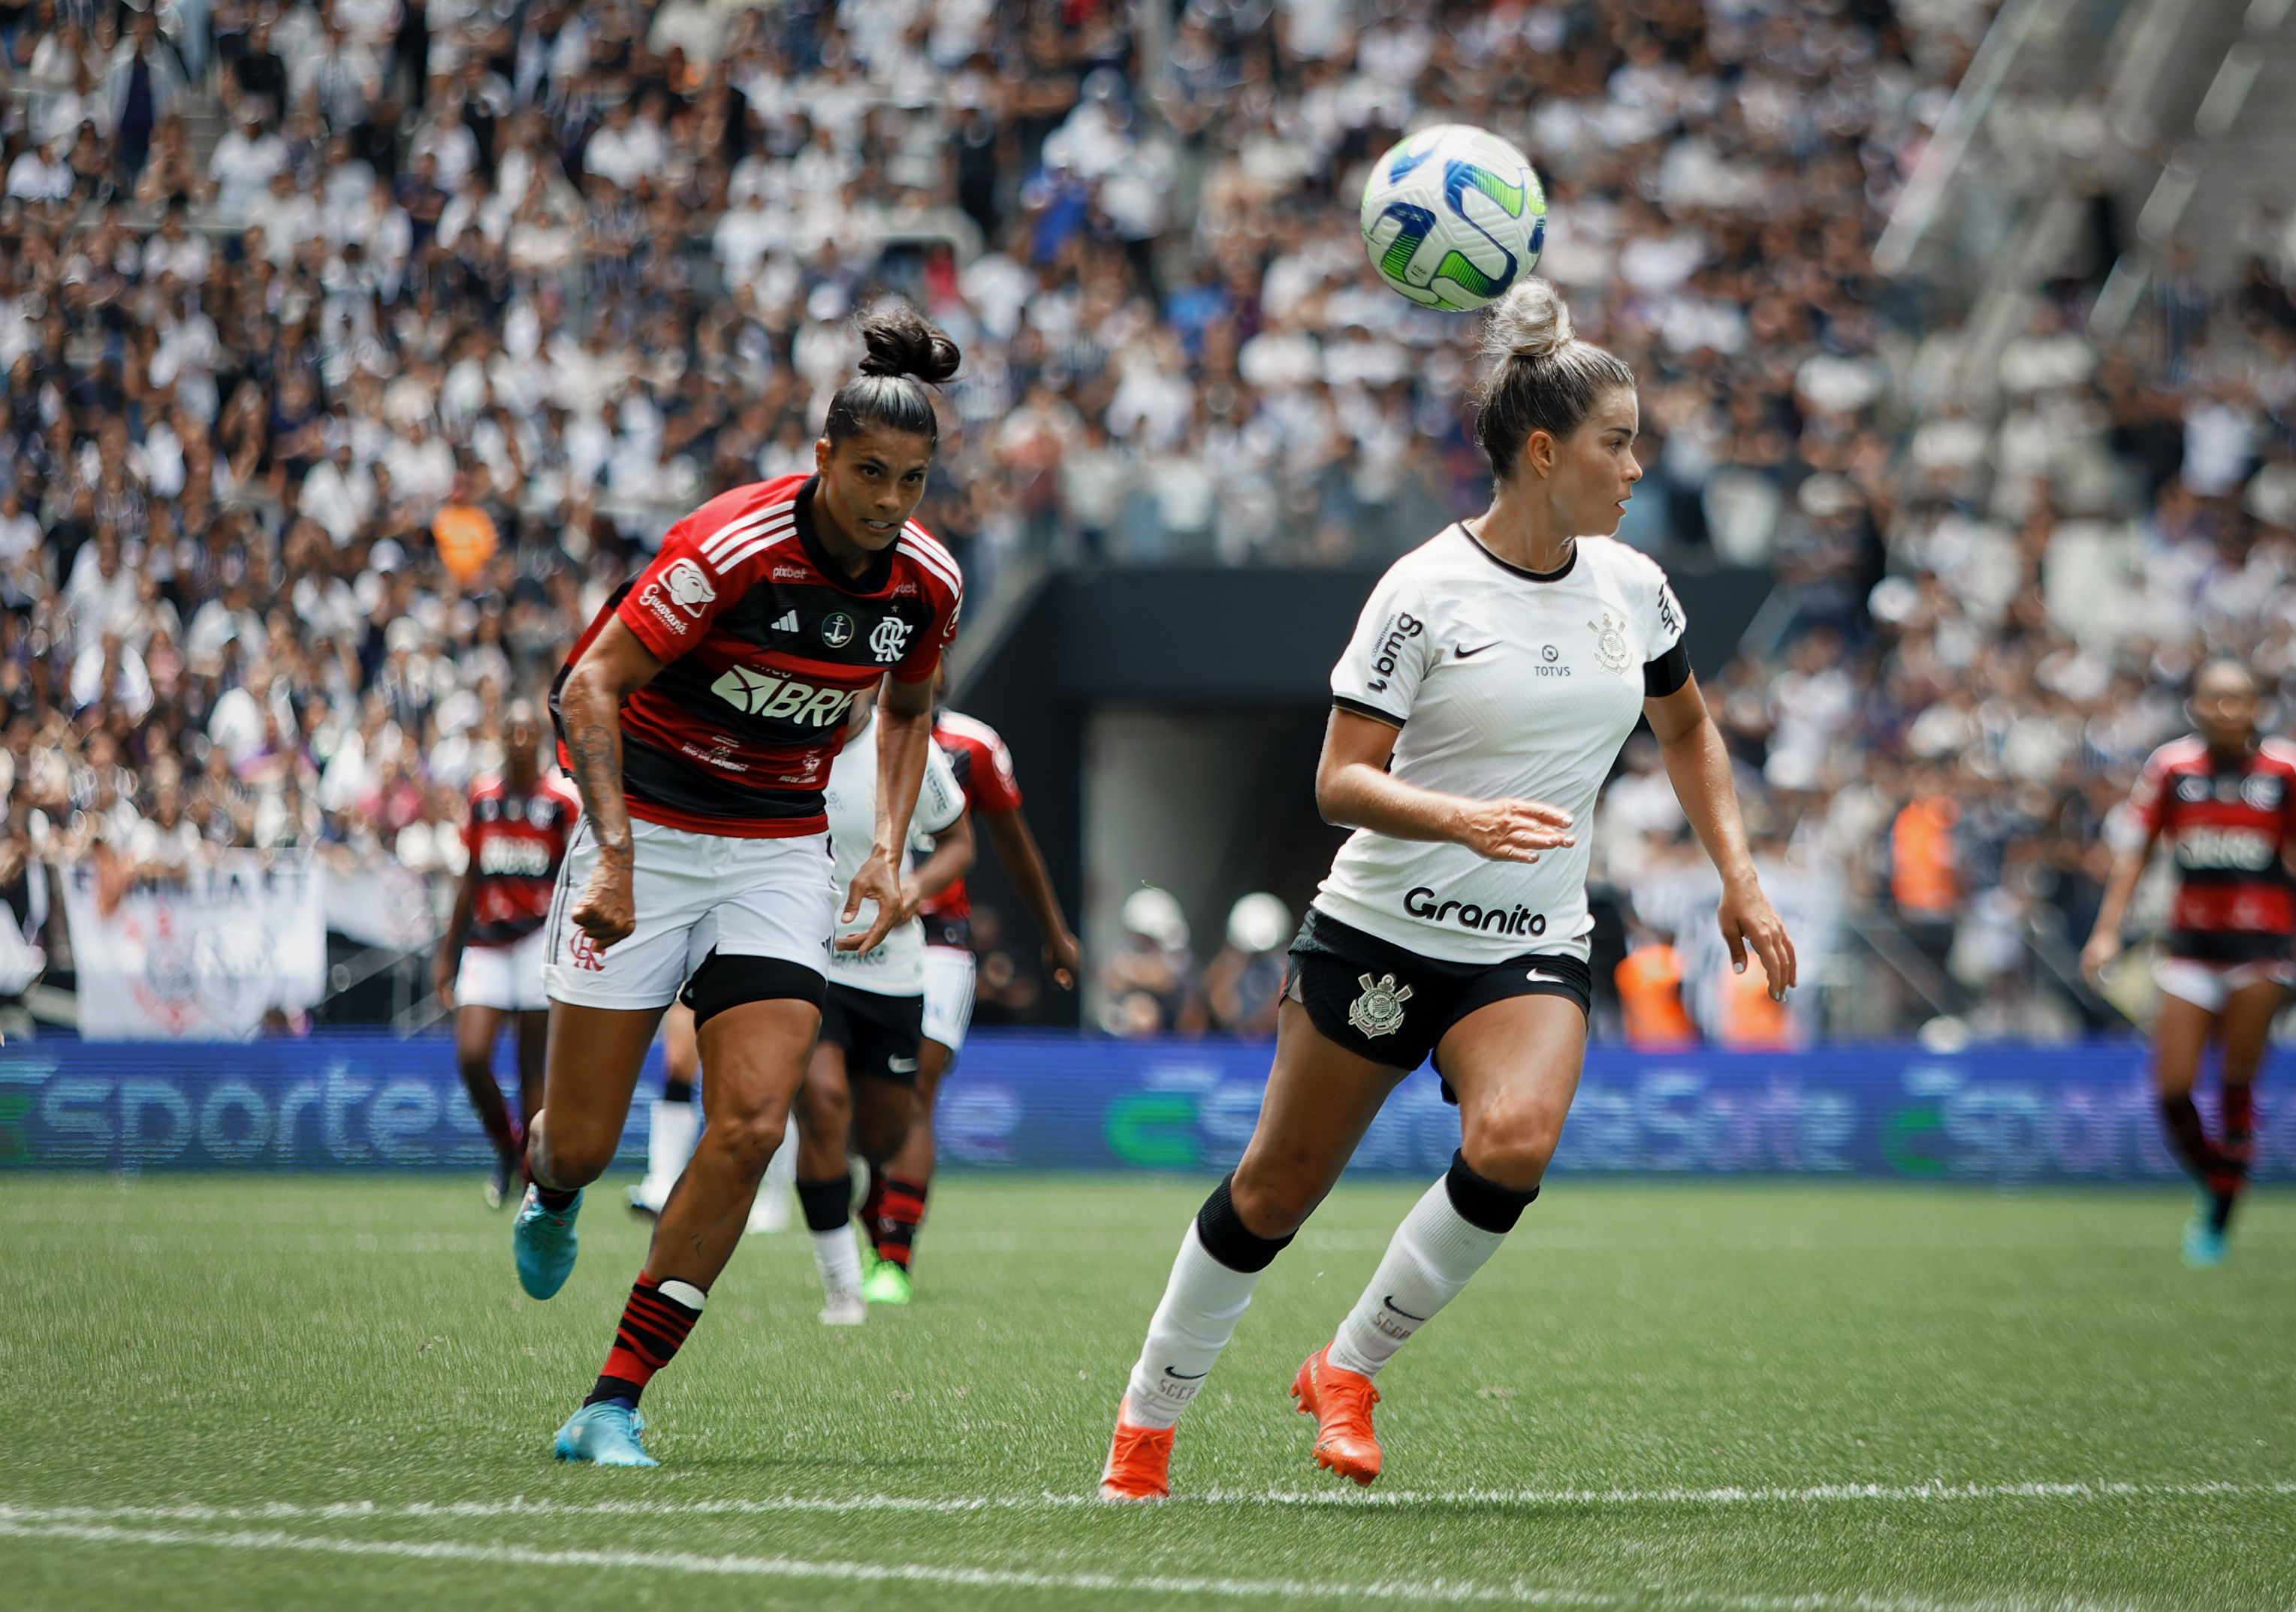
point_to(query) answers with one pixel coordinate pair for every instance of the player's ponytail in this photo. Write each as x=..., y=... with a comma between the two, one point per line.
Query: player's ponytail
x=904, y=354
x=1540, y=377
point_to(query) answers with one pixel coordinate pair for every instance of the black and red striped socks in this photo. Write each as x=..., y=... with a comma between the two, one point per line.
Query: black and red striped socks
x=900, y=1211
x=2221, y=1167
x=654, y=1323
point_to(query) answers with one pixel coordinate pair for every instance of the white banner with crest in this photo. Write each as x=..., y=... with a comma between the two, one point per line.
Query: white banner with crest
x=203, y=960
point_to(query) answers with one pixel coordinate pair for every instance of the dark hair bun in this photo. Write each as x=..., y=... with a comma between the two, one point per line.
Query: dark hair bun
x=900, y=342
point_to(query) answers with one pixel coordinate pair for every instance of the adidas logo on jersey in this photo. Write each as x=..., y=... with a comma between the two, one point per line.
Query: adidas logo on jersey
x=788, y=622
x=790, y=701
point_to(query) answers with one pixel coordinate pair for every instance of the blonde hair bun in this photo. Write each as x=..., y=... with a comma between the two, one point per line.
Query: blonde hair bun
x=1531, y=321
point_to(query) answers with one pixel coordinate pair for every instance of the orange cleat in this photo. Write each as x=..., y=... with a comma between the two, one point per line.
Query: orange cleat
x=1340, y=1402
x=1139, y=1463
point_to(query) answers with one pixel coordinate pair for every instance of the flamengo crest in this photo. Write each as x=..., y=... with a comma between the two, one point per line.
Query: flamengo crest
x=1379, y=1010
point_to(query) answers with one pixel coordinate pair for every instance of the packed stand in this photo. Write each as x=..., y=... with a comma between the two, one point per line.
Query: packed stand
x=354, y=352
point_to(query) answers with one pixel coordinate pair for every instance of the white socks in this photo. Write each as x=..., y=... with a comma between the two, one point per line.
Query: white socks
x=669, y=1143
x=771, y=1211
x=1433, y=1254
x=1201, y=1306
x=839, y=1258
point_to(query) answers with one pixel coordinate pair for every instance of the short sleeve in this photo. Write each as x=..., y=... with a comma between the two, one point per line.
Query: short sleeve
x=671, y=604
x=2147, y=804
x=995, y=788
x=1665, y=628
x=944, y=585
x=1379, y=675
x=940, y=800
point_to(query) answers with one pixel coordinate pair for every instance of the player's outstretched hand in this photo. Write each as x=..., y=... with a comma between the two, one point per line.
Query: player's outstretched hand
x=2097, y=956
x=607, y=911
x=1064, y=959
x=878, y=881
x=1514, y=831
x=1748, y=919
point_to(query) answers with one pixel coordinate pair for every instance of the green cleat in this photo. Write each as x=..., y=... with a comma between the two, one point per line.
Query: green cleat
x=2205, y=1246
x=604, y=1435
x=888, y=1284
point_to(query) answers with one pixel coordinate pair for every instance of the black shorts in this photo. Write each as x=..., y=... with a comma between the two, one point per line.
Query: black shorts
x=880, y=1033
x=1392, y=1006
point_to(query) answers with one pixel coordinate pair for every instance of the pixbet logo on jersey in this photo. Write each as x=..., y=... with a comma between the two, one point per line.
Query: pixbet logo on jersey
x=789, y=701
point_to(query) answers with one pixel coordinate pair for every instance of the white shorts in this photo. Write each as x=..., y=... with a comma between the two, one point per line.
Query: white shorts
x=508, y=977
x=948, y=995
x=695, y=892
x=2208, y=985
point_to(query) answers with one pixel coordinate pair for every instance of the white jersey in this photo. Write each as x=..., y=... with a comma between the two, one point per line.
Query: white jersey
x=1507, y=683
x=896, y=966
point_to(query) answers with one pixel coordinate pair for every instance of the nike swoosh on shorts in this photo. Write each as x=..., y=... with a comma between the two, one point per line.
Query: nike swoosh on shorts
x=1545, y=979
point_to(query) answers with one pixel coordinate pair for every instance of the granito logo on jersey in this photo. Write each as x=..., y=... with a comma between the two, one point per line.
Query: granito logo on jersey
x=889, y=638
x=762, y=695
x=689, y=590
x=2249, y=850
x=499, y=856
x=1400, y=631
x=2263, y=791
x=1421, y=903
x=1379, y=1010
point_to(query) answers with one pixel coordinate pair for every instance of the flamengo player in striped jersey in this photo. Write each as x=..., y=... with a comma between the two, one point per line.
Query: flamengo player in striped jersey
x=701, y=712
x=489, y=967
x=895, y=1207
x=1493, y=676
x=2224, y=799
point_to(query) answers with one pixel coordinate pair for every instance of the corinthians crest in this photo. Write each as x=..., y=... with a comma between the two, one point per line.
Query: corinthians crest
x=1611, y=652
x=1379, y=1010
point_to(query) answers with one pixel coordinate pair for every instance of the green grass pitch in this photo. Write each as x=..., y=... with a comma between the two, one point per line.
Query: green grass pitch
x=298, y=1393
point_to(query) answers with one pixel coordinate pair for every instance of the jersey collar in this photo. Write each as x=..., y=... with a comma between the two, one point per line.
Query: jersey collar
x=1556, y=575
x=872, y=580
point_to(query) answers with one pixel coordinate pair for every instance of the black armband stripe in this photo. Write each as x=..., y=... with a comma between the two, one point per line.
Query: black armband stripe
x=1669, y=672
x=1362, y=710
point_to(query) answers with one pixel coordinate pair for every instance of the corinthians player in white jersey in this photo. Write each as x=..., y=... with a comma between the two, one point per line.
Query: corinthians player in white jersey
x=1493, y=676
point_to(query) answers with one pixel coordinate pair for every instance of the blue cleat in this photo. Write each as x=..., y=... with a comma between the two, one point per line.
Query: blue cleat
x=544, y=1245
x=604, y=1435
x=2204, y=1245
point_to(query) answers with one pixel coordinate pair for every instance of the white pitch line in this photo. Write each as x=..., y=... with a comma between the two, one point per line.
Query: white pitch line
x=771, y=1505
x=996, y=1578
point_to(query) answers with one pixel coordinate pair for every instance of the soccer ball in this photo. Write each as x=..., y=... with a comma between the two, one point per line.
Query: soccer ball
x=1453, y=215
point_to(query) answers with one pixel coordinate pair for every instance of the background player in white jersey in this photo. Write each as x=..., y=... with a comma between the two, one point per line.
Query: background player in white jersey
x=860, y=1082
x=1493, y=676
x=489, y=966
x=894, y=1209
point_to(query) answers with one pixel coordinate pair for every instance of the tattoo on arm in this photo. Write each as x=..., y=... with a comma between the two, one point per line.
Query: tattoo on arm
x=598, y=772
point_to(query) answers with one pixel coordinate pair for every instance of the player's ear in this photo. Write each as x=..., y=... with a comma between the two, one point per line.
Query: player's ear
x=823, y=449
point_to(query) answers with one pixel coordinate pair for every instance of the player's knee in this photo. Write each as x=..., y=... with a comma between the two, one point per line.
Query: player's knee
x=1512, y=1146
x=571, y=1156
x=747, y=1141
x=1269, y=1204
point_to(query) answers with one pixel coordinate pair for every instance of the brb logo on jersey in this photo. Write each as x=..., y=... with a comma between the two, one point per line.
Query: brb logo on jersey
x=761, y=695
x=1400, y=631
x=513, y=859
x=889, y=638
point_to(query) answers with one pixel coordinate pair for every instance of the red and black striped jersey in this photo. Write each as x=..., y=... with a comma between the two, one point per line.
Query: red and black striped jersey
x=984, y=771
x=516, y=843
x=2228, y=827
x=764, y=646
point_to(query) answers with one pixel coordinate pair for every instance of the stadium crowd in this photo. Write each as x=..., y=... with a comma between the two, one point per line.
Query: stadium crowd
x=319, y=445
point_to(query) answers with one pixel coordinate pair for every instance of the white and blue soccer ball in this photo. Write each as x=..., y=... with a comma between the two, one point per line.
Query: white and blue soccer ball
x=1453, y=215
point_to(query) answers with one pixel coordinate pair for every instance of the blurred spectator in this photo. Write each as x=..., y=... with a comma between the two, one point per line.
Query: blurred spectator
x=1244, y=985
x=1150, y=983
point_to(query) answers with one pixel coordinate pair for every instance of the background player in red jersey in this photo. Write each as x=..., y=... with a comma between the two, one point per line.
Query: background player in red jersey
x=489, y=965
x=895, y=1206
x=701, y=712
x=2224, y=799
